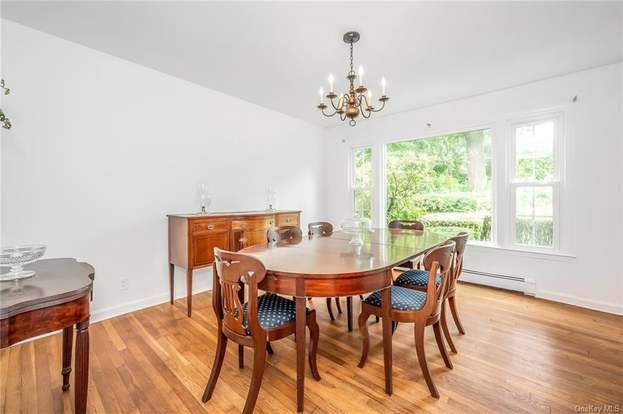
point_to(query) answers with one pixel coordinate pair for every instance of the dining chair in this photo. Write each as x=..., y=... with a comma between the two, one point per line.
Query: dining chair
x=406, y=225
x=284, y=235
x=324, y=229
x=414, y=306
x=253, y=323
x=418, y=279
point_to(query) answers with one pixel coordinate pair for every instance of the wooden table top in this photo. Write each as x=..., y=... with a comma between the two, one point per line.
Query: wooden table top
x=333, y=255
x=57, y=281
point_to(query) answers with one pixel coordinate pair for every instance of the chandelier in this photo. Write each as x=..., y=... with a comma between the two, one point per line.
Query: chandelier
x=355, y=100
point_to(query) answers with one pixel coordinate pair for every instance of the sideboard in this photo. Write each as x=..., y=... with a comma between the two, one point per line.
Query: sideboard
x=193, y=237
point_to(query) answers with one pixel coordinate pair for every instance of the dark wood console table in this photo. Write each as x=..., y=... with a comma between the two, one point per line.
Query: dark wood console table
x=193, y=237
x=57, y=297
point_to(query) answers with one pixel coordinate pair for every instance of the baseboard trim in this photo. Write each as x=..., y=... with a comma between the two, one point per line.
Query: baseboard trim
x=583, y=303
x=127, y=307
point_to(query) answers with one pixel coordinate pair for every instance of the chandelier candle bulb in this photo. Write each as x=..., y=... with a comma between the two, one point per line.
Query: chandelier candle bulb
x=383, y=86
x=321, y=93
x=331, y=79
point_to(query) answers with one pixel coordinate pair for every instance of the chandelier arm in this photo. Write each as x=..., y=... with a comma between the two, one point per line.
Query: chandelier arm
x=333, y=105
x=328, y=115
x=364, y=111
x=381, y=108
x=342, y=116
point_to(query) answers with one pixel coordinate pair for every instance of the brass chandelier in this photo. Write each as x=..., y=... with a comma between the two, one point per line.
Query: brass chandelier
x=355, y=100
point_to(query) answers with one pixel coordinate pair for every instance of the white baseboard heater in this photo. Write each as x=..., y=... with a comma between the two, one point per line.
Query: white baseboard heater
x=516, y=283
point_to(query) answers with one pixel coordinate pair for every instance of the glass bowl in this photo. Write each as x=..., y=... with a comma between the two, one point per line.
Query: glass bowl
x=16, y=257
x=356, y=227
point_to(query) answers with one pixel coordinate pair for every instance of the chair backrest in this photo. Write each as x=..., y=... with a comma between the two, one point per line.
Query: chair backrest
x=284, y=235
x=461, y=241
x=232, y=271
x=438, y=260
x=406, y=225
x=320, y=228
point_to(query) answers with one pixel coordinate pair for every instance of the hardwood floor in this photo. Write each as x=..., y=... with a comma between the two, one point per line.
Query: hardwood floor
x=520, y=354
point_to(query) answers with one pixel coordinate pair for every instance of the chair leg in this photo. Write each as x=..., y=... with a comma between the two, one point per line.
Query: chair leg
x=269, y=348
x=338, y=305
x=441, y=345
x=221, y=346
x=314, y=333
x=455, y=315
x=259, y=363
x=330, y=309
x=240, y=356
x=349, y=312
x=394, y=326
x=421, y=356
x=363, y=328
x=446, y=331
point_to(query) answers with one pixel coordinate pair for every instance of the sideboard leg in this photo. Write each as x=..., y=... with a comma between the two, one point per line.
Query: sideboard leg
x=171, y=280
x=68, y=343
x=189, y=291
x=81, y=379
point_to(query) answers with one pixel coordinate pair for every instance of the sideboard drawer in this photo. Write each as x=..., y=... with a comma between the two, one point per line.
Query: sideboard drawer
x=207, y=227
x=287, y=220
x=253, y=224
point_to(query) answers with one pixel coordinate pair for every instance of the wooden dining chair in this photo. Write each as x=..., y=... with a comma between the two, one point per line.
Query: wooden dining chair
x=323, y=229
x=253, y=323
x=406, y=225
x=414, y=306
x=284, y=235
x=418, y=279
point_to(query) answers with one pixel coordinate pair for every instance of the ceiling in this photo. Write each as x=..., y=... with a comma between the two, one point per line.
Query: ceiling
x=278, y=54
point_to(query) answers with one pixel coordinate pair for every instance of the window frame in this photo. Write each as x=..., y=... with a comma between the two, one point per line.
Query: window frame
x=555, y=182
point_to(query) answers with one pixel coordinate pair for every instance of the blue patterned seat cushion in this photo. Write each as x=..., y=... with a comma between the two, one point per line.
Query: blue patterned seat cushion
x=417, y=277
x=402, y=299
x=273, y=311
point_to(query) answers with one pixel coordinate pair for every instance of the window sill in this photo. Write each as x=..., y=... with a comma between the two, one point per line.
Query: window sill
x=553, y=255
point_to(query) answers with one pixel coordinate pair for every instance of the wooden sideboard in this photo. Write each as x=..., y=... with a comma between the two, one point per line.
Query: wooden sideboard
x=193, y=237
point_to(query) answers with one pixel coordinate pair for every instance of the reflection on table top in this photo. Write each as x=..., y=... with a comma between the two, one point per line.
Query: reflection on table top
x=333, y=255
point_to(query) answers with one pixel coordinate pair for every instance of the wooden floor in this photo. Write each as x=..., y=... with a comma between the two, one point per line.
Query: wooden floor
x=519, y=355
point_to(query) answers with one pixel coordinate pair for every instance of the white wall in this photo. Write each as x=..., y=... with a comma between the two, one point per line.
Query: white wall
x=102, y=149
x=591, y=219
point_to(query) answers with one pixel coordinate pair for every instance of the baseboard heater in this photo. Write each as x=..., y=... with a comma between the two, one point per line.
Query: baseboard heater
x=516, y=283
x=495, y=275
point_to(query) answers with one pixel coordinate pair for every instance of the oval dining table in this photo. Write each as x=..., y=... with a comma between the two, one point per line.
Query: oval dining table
x=330, y=266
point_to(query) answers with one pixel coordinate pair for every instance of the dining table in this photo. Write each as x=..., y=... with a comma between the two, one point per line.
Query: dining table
x=333, y=266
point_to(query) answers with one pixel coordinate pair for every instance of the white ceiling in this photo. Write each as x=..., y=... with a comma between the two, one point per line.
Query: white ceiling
x=278, y=54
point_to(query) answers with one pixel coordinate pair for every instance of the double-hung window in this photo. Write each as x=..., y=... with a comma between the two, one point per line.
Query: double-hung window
x=535, y=173
x=361, y=181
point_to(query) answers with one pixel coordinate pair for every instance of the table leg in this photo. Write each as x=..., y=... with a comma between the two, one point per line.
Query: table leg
x=171, y=280
x=189, y=292
x=301, y=316
x=349, y=312
x=68, y=343
x=81, y=379
x=386, y=302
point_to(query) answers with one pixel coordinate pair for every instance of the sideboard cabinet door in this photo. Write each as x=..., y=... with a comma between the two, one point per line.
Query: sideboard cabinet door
x=203, y=251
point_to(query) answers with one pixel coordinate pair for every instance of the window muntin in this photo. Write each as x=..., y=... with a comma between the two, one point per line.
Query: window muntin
x=362, y=179
x=443, y=181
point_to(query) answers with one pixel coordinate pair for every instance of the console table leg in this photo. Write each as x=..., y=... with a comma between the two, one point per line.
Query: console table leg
x=81, y=379
x=171, y=279
x=68, y=343
x=189, y=291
